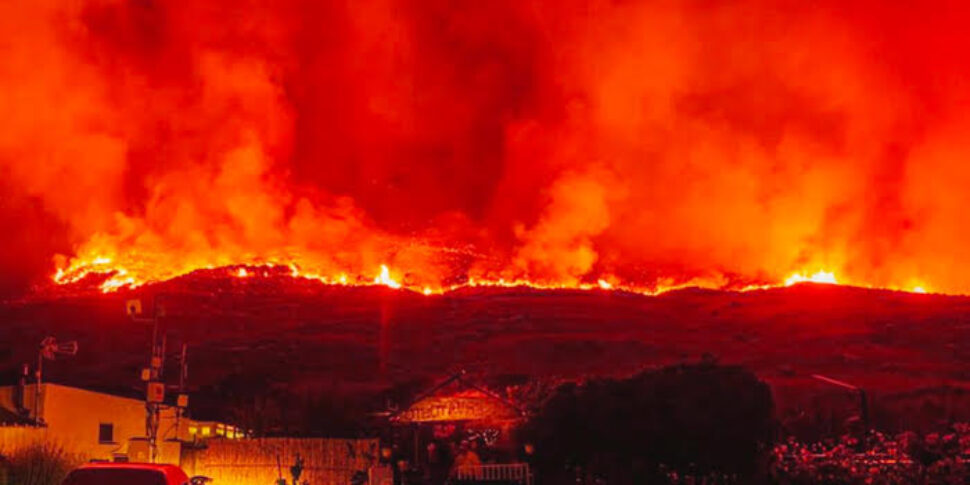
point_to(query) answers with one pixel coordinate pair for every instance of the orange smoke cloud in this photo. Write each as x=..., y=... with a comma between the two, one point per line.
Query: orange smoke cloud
x=643, y=144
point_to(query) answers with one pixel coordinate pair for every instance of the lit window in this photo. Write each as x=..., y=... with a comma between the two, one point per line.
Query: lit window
x=193, y=430
x=206, y=431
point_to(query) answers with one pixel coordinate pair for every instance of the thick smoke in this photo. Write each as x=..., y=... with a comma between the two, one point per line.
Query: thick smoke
x=557, y=141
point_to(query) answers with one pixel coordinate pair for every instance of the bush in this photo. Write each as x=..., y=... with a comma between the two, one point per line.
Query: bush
x=695, y=420
x=39, y=464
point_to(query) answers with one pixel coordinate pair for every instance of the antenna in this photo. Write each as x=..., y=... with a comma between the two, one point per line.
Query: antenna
x=50, y=348
x=155, y=386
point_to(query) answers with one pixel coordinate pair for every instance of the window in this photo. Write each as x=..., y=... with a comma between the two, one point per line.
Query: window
x=106, y=433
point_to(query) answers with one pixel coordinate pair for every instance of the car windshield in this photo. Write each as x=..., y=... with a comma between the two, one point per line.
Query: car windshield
x=116, y=476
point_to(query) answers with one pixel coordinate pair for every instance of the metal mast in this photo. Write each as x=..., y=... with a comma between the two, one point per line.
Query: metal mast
x=155, y=386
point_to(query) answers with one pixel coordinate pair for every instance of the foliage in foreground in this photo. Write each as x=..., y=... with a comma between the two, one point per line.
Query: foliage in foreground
x=690, y=419
x=906, y=458
x=38, y=464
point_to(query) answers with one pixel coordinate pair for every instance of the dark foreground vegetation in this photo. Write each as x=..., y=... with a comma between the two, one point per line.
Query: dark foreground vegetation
x=710, y=424
x=905, y=458
x=40, y=464
x=681, y=420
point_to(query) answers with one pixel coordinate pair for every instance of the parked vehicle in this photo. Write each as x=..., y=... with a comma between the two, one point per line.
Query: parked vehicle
x=130, y=474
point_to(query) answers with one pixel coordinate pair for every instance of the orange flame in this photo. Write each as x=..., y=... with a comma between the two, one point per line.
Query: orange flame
x=116, y=278
x=824, y=277
x=385, y=278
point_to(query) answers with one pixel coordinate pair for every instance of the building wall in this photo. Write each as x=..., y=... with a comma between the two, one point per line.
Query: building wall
x=259, y=461
x=73, y=417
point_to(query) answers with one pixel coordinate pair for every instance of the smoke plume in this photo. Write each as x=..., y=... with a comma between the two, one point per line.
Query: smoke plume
x=560, y=142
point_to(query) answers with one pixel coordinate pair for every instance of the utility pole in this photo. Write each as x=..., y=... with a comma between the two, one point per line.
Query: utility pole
x=155, y=386
x=183, y=399
x=39, y=376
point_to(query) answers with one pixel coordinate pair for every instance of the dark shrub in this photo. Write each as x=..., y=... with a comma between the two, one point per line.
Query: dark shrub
x=39, y=464
x=693, y=419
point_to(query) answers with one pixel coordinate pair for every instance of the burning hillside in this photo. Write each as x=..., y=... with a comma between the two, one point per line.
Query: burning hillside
x=637, y=145
x=279, y=334
x=102, y=276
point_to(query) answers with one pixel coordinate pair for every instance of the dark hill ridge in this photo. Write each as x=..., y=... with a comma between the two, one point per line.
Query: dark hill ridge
x=302, y=334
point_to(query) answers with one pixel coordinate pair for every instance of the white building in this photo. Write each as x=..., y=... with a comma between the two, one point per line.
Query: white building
x=95, y=425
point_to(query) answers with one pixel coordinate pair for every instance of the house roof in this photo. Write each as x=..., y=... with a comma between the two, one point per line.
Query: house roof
x=467, y=402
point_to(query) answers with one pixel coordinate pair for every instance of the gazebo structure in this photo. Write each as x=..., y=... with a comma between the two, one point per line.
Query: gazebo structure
x=459, y=430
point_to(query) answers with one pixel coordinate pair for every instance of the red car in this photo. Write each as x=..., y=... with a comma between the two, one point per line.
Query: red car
x=130, y=474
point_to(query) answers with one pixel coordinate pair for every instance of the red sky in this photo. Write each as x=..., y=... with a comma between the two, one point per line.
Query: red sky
x=560, y=141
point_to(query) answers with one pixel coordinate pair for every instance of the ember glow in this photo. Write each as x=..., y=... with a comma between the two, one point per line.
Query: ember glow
x=638, y=146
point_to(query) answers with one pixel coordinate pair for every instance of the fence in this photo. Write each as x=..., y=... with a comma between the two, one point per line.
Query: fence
x=511, y=472
x=254, y=462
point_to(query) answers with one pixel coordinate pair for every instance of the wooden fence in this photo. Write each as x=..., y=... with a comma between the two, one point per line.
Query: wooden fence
x=254, y=462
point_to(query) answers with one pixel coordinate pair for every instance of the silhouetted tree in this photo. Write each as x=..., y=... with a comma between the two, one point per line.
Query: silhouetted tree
x=690, y=418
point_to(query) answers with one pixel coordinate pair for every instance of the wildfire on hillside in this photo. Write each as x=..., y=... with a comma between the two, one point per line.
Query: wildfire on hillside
x=633, y=146
x=113, y=278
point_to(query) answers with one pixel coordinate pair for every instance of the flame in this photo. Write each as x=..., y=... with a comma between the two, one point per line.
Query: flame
x=117, y=278
x=823, y=277
x=385, y=278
